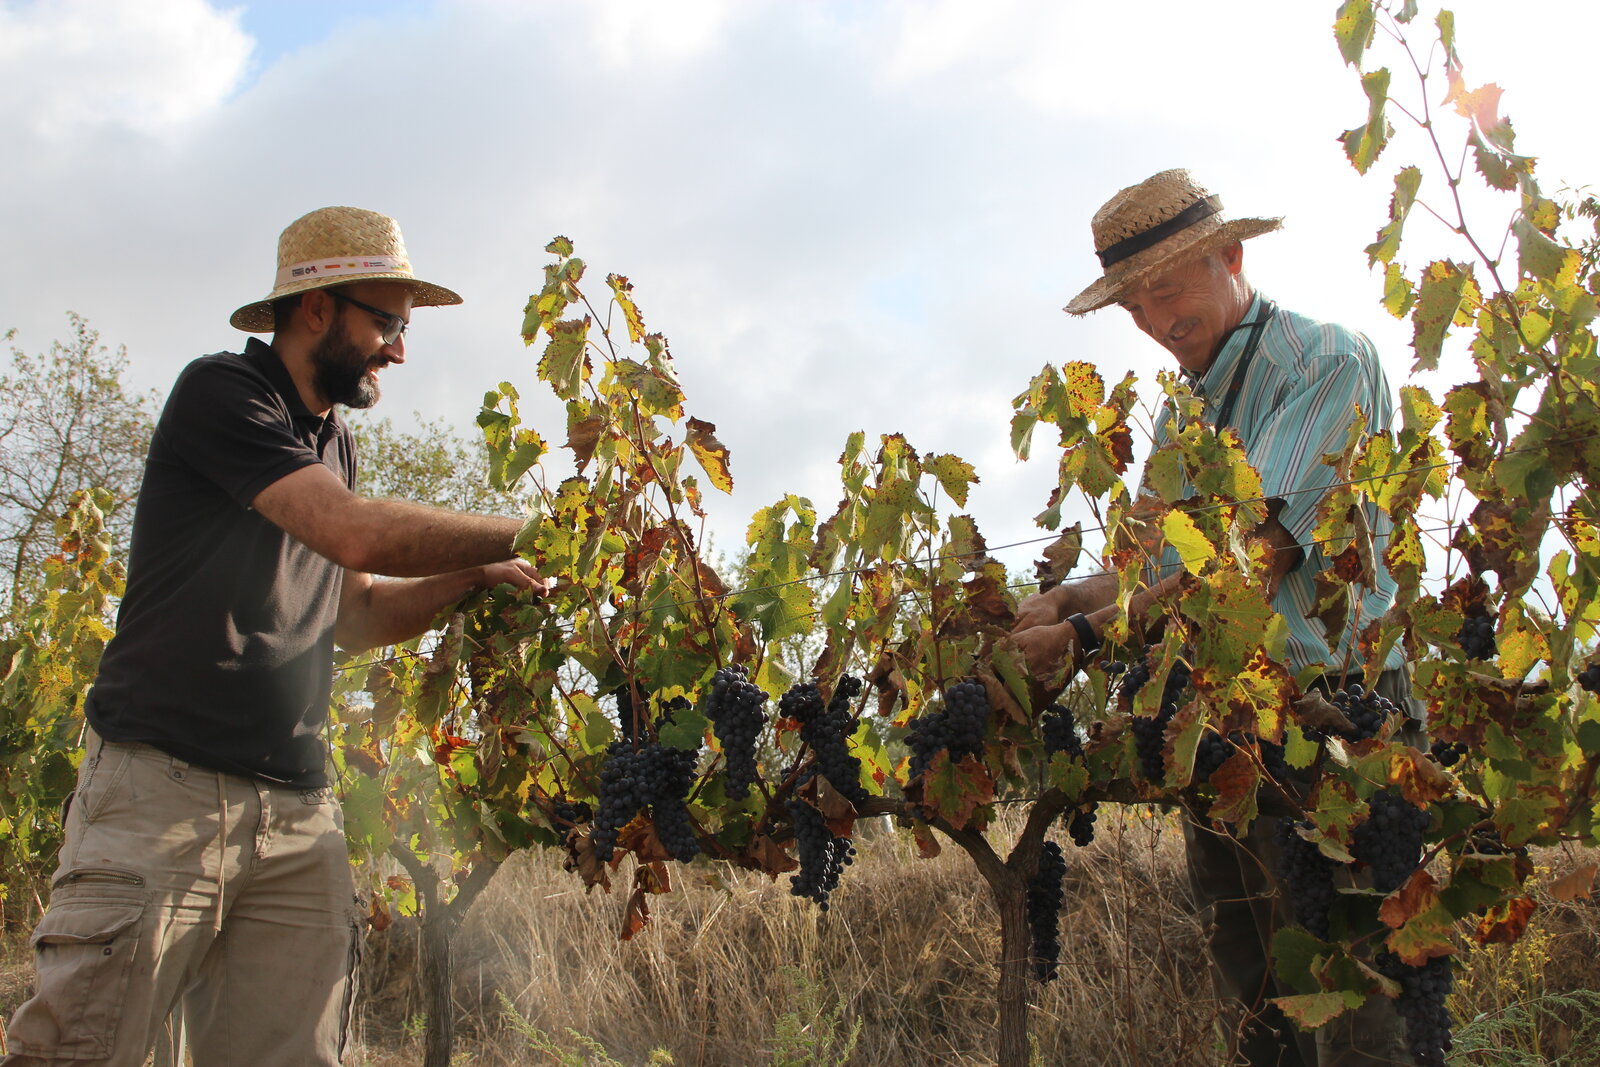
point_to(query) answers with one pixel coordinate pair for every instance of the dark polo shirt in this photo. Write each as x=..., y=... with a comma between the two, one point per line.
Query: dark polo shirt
x=224, y=644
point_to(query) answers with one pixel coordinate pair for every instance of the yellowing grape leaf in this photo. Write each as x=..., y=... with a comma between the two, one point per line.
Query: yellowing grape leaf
x=954, y=791
x=710, y=453
x=1311, y=1010
x=1504, y=923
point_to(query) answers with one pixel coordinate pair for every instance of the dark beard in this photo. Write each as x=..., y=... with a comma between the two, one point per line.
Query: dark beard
x=340, y=372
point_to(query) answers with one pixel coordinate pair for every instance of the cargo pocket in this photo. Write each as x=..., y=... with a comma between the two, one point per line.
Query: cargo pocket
x=84, y=948
x=352, y=981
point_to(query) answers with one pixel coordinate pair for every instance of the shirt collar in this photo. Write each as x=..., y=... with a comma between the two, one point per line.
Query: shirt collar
x=1217, y=376
x=267, y=359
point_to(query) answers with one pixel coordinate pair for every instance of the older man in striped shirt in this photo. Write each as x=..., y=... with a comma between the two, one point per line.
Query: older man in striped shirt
x=1290, y=386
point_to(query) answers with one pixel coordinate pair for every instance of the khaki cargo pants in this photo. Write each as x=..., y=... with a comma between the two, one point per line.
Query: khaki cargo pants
x=176, y=883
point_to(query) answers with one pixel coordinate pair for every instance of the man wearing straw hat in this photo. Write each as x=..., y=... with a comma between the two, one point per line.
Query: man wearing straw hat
x=204, y=859
x=1290, y=387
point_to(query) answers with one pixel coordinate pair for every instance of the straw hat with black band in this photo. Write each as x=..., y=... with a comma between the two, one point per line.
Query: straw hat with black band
x=1152, y=227
x=336, y=246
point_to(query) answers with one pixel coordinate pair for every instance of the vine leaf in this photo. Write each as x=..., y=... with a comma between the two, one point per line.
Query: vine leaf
x=710, y=453
x=622, y=291
x=1406, y=184
x=1418, y=895
x=1353, y=28
x=1311, y=1010
x=1504, y=923
x=565, y=363
x=1446, y=286
x=1576, y=884
x=1363, y=144
x=954, y=791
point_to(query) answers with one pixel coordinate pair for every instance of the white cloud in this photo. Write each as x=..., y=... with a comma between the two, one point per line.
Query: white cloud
x=844, y=215
x=149, y=66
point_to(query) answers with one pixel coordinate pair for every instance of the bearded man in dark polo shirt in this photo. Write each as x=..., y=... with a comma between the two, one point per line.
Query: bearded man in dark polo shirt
x=204, y=859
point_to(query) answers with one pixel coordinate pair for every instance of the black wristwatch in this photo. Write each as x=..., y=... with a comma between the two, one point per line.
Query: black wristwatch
x=1088, y=640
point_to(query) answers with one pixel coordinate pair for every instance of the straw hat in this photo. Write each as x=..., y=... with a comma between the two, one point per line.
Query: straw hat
x=1150, y=227
x=335, y=246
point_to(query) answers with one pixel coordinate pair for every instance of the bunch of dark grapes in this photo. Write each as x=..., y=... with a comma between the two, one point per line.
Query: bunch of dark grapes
x=1059, y=731
x=1367, y=711
x=1308, y=876
x=827, y=731
x=627, y=722
x=654, y=777
x=1213, y=751
x=566, y=813
x=1476, y=637
x=957, y=728
x=1589, y=678
x=1080, y=823
x=1045, y=896
x=1390, y=841
x=1149, y=731
x=736, y=710
x=823, y=857
x=1448, y=753
x=1421, y=1004
x=1133, y=679
x=1149, y=738
x=1272, y=758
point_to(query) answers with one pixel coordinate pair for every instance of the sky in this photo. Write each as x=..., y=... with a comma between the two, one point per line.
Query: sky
x=844, y=214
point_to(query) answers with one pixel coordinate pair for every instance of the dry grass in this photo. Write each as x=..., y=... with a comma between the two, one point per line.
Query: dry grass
x=732, y=969
x=908, y=948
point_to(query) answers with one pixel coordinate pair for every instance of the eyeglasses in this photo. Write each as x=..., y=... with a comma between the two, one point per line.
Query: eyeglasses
x=393, y=325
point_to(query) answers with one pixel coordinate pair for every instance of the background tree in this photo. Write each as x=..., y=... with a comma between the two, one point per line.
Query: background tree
x=68, y=422
x=431, y=464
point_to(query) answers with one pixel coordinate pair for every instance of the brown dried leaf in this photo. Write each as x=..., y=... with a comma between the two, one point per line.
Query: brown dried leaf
x=581, y=858
x=768, y=856
x=1576, y=884
x=1504, y=923
x=1420, y=779
x=583, y=436
x=1420, y=893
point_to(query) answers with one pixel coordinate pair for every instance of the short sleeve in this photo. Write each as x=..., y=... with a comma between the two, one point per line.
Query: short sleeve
x=224, y=421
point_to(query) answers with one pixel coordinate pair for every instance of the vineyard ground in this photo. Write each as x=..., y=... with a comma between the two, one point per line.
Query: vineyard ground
x=729, y=954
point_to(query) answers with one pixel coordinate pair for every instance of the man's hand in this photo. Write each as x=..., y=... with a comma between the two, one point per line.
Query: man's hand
x=1048, y=648
x=1041, y=609
x=518, y=573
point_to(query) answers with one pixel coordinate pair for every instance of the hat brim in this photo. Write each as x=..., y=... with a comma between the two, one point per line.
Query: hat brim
x=1107, y=289
x=257, y=317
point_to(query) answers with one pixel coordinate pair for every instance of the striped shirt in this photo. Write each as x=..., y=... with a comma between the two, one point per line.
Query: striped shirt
x=1295, y=405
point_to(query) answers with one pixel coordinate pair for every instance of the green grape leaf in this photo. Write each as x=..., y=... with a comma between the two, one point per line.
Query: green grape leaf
x=1448, y=292
x=1406, y=184
x=1364, y=144
x=565, y=363
x=1192, y=546
x=956, y=476
x=687, y=730
x=1353, y=28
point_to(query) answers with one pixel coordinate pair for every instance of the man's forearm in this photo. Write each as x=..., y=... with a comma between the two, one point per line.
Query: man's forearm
x=404, y=540
x=394, y=610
